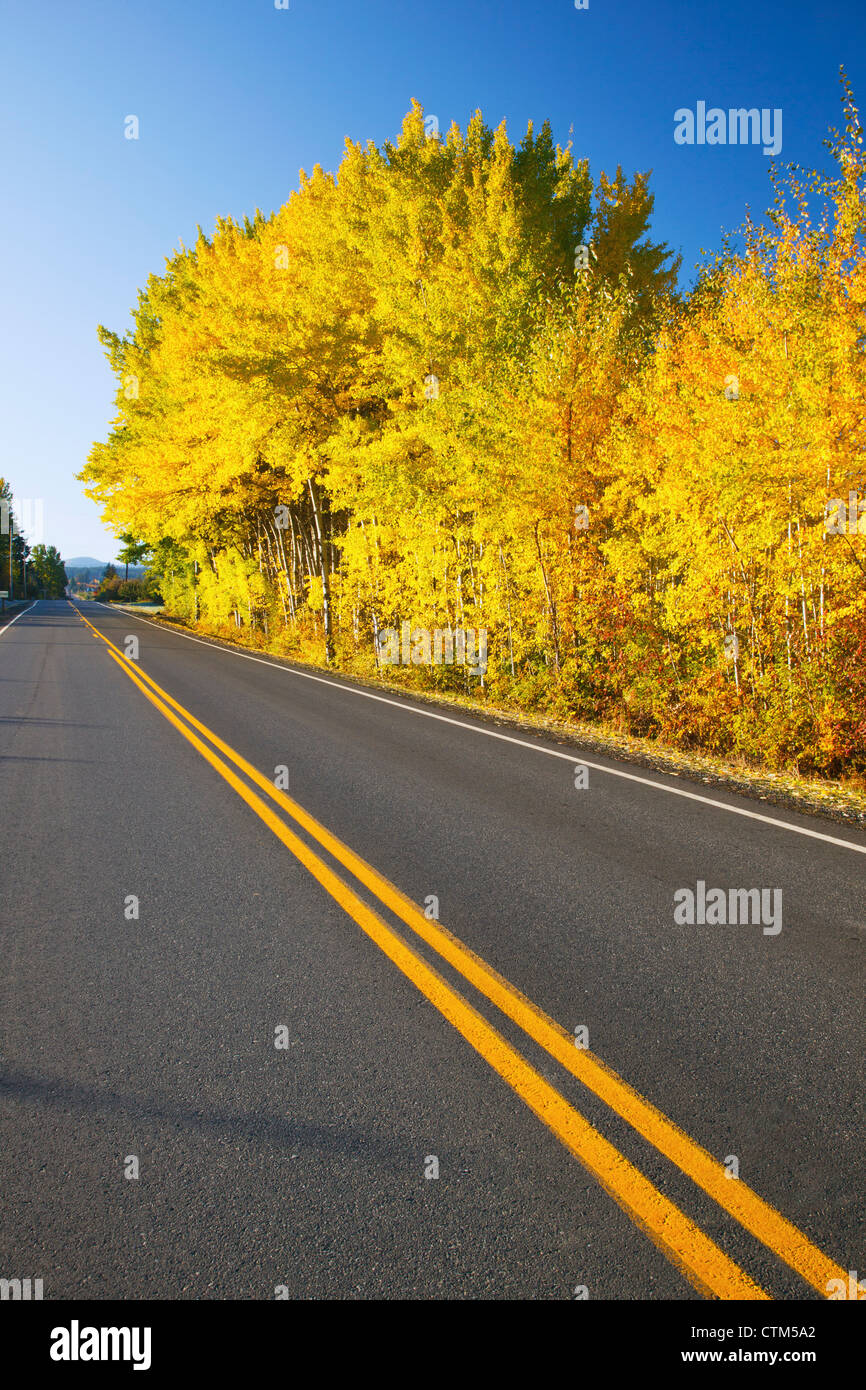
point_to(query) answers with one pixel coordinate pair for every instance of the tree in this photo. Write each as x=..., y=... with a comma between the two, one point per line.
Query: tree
x=14, y=550
x=133, y=552
x=48, y=572
x=454, y=384
x=109, y=585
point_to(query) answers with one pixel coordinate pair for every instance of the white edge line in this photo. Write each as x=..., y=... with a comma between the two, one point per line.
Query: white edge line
x=507, y=738
x=17, y=616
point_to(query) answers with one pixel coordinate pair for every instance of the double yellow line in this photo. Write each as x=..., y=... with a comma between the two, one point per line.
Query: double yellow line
x=702, y=1262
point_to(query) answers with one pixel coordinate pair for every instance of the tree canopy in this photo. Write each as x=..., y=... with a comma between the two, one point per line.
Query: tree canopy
x=454, y=384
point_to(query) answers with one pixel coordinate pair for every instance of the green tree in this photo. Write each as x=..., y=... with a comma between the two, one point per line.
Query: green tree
x=14, y=549
x=133, y=551
x=108, y=585
x=48, y=571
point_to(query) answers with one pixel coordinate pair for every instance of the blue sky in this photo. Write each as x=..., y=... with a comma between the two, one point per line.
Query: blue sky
x=235, y=96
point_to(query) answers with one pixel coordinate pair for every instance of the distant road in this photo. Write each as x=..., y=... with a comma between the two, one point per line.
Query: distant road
x=541, y=1093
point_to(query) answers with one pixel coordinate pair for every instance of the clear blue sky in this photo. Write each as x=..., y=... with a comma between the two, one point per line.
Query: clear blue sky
x=235, y=96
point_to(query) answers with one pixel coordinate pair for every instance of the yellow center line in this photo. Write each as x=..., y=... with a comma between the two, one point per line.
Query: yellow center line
x=697, y=1257
x=755, y=1214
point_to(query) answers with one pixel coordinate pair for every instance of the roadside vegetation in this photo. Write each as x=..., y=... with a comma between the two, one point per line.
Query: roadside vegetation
x=26, y=572
x=455, y=385
x=113, y=589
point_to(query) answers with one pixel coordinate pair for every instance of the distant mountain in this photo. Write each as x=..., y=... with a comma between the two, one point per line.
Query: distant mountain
x=82, y=564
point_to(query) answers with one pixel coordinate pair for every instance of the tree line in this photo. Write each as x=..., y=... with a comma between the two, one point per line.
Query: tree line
x=26, y=571
x=112, y=589
x=455, y=384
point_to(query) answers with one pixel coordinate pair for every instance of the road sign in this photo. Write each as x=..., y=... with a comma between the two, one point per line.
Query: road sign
x=4, y=593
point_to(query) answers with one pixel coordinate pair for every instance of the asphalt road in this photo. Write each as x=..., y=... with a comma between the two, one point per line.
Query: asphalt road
x=304, y=1168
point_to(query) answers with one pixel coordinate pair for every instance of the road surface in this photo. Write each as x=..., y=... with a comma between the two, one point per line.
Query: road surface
x=421, y=915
